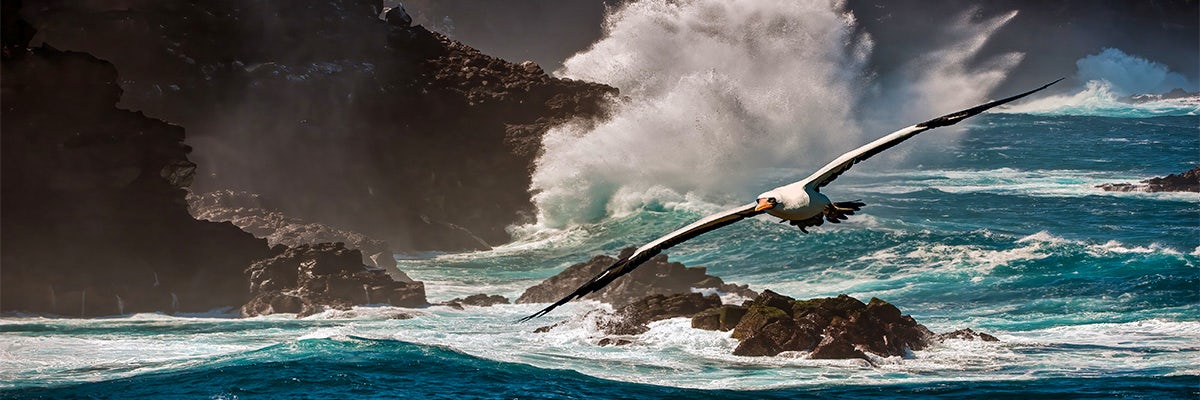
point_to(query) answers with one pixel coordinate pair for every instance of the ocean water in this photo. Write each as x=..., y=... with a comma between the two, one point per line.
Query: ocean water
x=995, y=225
x=1093, y=294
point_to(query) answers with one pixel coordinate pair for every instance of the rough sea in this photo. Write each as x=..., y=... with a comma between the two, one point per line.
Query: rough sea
x=995, y=225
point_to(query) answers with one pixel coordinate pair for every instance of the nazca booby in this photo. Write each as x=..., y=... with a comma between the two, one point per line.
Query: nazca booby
x=801, y=204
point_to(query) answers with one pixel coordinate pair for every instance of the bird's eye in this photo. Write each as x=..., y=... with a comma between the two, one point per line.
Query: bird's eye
x=772, y=200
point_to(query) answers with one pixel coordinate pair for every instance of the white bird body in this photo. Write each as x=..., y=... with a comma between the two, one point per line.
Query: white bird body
x=801, y=204
x=796, y=202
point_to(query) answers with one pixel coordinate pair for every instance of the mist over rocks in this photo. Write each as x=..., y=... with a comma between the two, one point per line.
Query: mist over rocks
x=655, y=277
x=1187, y=181
x=338, y=116
x=256, y=215
x=308, y=279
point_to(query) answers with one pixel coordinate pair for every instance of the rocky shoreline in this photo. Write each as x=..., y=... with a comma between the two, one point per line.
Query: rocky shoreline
x=101, y=218
x=770, y=324
x=1188, y=181
x=336, y=116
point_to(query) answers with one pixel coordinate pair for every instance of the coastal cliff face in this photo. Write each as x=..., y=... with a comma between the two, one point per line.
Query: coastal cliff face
x=95, y=221
x=334, y=115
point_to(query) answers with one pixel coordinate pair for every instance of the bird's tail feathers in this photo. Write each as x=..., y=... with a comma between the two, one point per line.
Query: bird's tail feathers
x=838, y=212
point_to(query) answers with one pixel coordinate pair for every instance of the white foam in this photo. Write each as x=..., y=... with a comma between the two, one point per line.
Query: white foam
x=1042, y=183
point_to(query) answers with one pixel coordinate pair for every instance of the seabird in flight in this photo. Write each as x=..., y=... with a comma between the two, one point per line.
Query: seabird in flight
x=801, y=204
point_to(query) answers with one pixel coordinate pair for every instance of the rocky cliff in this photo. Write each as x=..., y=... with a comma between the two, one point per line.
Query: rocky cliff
x=392, y=131
x=95, y=221
x=95, y=217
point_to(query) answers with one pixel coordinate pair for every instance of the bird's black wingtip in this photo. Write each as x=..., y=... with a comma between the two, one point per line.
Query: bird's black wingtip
x=954, y=118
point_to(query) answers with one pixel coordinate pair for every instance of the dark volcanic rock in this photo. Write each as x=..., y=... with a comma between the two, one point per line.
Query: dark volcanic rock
x=95, y=221
x=723, y=318
x=830, y=328
x=655, y=277
x=254, y=214
x=340, y=117
x=965, y=334
x=477, y=300
x=1188, y=181
x=633, y=318
x=308, y=279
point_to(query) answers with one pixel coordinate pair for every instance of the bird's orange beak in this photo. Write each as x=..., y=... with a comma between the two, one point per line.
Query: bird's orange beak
x=763, y=204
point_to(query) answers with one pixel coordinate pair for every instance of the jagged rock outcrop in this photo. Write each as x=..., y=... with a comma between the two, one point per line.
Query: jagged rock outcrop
x=1188, y=181
x=477, y=300
x=254, y=214
x=95, y=221
x=829, y=328
x=965, y=334
x=1174, y=94
x=309, y=279
x=655, y=277
x=340, y=117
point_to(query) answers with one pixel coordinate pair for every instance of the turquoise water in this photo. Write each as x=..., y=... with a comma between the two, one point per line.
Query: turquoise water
x=1093, y=294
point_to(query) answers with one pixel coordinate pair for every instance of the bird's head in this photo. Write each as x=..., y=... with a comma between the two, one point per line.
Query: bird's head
x=767, y=201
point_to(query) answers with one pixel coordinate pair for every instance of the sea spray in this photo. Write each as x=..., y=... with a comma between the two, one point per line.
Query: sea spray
x=1109, y=77
x=715, y=93
x=1130, y=74
x=53, y=299
x=939, y=81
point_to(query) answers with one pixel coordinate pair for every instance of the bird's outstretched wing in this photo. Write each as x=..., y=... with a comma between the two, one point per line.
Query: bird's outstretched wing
x=644, y=253
x=831, y=171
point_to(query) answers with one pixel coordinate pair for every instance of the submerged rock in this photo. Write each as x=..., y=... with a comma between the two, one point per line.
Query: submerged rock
x=308, y=279
x=965, y=334
x=655, y=277
x=634, y=318
x=1188, y=181
x=477, y=300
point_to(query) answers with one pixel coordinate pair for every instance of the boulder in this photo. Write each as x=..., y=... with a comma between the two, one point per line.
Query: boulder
x=723, y=318
x=309, y=279
x=655, y=277
x=835, y=327
x=633, y=318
